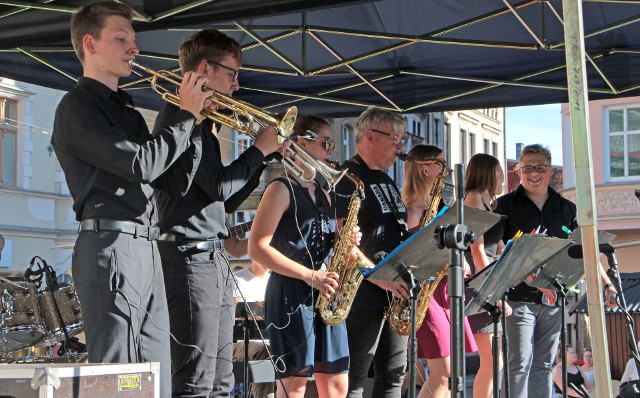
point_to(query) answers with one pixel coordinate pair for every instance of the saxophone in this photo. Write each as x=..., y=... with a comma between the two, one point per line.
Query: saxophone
x=334, y=310
x=398, y=314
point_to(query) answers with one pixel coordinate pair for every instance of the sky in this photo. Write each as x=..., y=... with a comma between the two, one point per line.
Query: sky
x=540, y=124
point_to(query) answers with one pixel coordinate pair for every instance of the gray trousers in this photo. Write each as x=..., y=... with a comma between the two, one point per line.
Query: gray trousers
x=371, y=339
x=533, y=331
x=202, y=312
x=120, y=286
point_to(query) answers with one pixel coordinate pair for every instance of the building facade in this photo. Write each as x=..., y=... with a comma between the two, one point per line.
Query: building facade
x=35, y=206
x=615, y=144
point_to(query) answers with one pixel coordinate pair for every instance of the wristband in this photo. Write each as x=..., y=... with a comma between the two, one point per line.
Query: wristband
x=608, y=285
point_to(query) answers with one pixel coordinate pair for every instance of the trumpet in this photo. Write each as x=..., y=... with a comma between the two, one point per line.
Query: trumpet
x=244, y=118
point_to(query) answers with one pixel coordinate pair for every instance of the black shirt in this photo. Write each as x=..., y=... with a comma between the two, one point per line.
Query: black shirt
x=108, y=156
x=377, y=222
x=216, y=189
x=523, y=215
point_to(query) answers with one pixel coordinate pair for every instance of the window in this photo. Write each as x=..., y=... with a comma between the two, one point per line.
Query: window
x=624, y=142
x=8, y=141
x=463, y=146
x=243, y=142
x=419, y=130
x=347, y=134
x=487, y=146
x=472, y=143
x=436, y=132
x=446, y=140
x=495, y=149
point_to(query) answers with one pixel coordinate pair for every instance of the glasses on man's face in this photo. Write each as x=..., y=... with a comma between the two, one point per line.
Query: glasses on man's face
x=233, y=74
x=329, y=143
x=542, y=168
x=396, y=139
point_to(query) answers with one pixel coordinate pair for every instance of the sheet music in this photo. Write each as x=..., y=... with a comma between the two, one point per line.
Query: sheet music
x=420, y=253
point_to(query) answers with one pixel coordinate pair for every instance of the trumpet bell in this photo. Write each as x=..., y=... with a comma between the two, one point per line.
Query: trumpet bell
x=285, y=127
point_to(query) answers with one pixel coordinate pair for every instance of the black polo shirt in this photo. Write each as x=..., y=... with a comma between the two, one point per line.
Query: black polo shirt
x=108, y=156
x=523, y=215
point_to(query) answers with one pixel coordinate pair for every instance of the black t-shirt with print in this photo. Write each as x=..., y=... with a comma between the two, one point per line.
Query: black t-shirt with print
x=378, y=222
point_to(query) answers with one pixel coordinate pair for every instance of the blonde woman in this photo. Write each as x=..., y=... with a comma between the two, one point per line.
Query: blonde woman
x=434, y=336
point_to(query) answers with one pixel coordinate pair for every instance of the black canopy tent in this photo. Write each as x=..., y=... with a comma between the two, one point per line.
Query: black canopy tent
x=335, y=58
x=407, y=55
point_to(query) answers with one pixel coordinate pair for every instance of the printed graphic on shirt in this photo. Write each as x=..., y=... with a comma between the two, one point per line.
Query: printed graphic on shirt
x=385, y=194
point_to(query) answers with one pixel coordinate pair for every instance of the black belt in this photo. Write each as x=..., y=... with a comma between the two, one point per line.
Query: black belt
x=127, y=227
x=209, y=245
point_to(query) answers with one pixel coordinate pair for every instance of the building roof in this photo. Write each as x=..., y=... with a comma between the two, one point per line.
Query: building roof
x=630, y=289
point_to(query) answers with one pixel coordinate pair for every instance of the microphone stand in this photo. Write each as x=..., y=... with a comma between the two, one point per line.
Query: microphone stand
x=505, y=352
x=414, y=289
x=562, y=295
x=457, y=238
x=614, y=276
x=496, y=314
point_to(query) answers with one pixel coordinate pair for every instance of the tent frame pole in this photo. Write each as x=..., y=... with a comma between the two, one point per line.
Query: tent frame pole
x=585, y=189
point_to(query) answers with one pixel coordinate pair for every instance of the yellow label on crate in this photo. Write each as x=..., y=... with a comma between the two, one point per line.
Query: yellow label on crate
x=131, y=382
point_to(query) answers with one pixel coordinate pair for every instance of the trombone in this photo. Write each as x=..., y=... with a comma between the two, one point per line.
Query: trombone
x=244, y=118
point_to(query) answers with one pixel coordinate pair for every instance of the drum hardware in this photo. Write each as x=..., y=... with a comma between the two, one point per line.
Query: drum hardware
x=61, y=313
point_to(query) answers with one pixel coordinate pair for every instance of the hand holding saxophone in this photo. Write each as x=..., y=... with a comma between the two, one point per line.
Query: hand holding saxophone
x=400, y=290
x=325, y=282
x=192, y=98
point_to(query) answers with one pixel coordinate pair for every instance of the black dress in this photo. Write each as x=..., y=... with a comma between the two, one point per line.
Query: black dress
x=300, y=341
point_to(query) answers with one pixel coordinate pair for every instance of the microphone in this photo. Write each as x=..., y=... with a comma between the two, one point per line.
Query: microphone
x=575, y=251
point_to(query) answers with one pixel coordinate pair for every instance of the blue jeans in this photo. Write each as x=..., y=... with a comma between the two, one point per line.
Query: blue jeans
x=201, y=310
x=371, y=339
x=533, y=331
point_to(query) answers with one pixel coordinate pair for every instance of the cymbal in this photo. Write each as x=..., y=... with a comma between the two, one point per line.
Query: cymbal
x=64, y=247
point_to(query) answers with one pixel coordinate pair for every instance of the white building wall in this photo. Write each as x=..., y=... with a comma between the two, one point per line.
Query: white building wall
x=34, y=214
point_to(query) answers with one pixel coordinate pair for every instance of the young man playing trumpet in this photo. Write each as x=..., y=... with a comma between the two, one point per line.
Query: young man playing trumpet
x=109, y=160
x=198, y=279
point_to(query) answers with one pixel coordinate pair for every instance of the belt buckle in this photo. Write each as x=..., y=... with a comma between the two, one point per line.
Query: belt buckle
x=153, y=233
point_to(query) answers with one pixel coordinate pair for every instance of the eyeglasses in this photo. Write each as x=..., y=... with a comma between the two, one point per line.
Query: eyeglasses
x=542, y=168
x=329, y=144
x=234, y=72
x=394, y=138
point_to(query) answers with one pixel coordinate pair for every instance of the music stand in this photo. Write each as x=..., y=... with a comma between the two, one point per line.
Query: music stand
x=524, y=255
x=247, y=311
x=558, y=274
x=412, y=262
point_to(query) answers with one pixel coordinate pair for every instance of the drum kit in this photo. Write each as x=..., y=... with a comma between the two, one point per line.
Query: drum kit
x=33, y=319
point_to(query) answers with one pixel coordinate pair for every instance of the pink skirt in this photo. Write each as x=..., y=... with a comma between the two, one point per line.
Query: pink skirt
x=434, y=336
